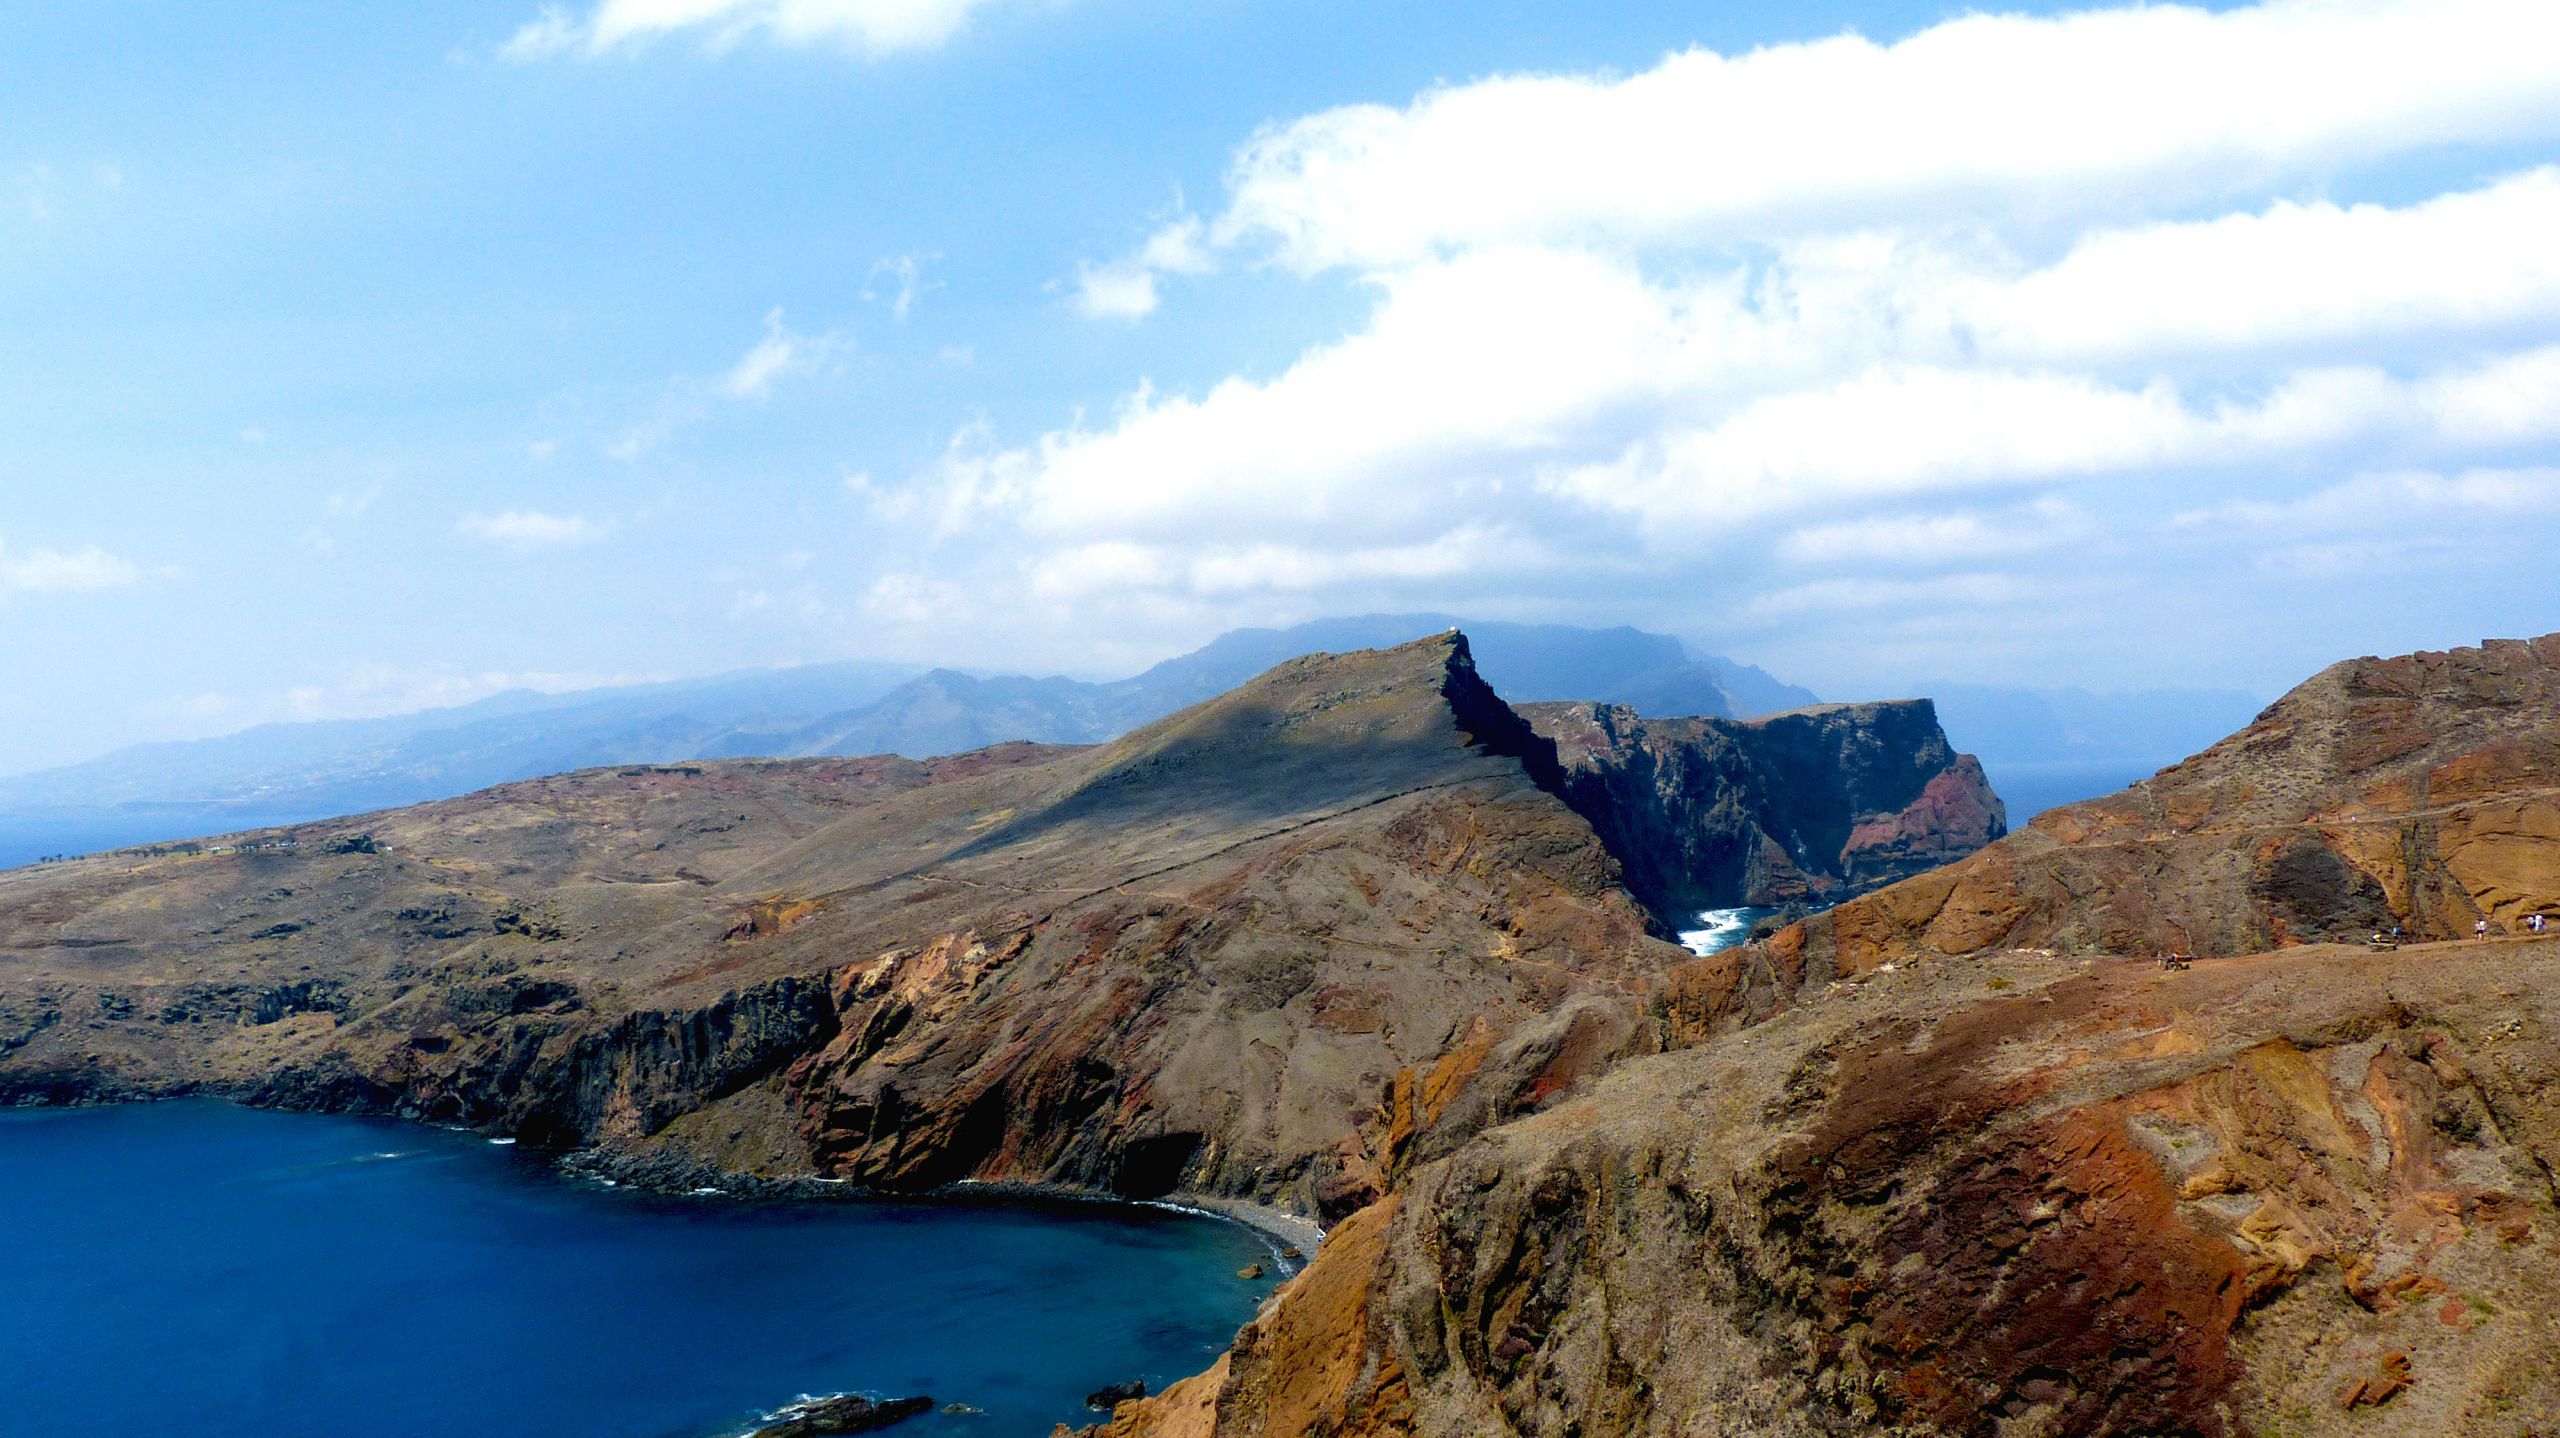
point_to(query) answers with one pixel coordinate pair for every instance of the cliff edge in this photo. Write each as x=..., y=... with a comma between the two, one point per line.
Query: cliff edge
x=2419, y=794
x=1276, y=946
x=1815, y=804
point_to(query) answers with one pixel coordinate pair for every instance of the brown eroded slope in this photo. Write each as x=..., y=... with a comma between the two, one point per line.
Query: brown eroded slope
x=1277, y=945
x=2306, y=1193
x=2421, y=792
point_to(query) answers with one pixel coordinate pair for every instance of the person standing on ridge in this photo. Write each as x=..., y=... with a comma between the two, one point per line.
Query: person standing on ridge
x=2480, y=929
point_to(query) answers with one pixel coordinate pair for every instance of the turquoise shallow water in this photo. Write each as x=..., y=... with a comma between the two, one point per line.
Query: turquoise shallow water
x=203, y=1269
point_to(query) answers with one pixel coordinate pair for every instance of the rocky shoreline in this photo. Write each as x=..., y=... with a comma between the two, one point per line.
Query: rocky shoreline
x=1289, y=1237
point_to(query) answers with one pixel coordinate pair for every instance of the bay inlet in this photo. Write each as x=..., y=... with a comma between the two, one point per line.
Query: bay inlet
x=244, y=1274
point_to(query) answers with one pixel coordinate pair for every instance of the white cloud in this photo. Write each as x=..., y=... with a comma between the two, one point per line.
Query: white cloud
x=780, y=353
x=1839, y=341
x=1123, y=291
x=2293, y=274
x=2398, y=501
x=1678, y=402
x=531, y=529
x=907, y=274
x=36, y=571
x=1126, y=288
x=861, y=27
x=1899, y=539
x=2096, y=111
x=1972, y=590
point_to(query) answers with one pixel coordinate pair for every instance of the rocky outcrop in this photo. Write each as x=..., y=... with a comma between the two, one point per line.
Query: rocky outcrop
x=1283, y=945
x=2420, y=793
x=1338, y=941
x=2053, y=1189
x=2038, y=1196
x=1813, y=804
x=845, y=1413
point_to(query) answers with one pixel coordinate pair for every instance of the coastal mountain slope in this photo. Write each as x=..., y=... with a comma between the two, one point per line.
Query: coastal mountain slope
x=2304, y=1193
x=291, y=772
x=1281, y=944
x=2049, y=1187
x=2420, y=793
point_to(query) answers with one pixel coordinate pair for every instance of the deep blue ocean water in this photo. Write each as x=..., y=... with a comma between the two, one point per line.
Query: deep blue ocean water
x=27, y=837
x=199, y=1269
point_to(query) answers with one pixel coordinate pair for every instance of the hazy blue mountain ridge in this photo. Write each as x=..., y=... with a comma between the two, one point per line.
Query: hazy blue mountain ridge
x=2041, y=746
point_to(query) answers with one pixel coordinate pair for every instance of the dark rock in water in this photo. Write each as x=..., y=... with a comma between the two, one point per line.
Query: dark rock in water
x=843, y=1413
x=1106, y=1399
x=1250, y=1271
x=1794, y=913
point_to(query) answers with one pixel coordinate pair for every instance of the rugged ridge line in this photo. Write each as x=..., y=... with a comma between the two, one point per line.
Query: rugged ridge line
x=1278, y=946
x=2292, y=1194
x=2419, y=794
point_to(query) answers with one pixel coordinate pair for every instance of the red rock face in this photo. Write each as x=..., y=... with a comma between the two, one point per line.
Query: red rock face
x=1955, y=815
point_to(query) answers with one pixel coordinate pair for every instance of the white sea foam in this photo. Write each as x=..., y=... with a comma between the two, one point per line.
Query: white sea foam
x=1720, y=929
x=502, y=1142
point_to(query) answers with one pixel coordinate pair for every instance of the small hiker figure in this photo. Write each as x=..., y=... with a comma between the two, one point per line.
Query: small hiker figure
x=2480, y=929
x=2534, y=924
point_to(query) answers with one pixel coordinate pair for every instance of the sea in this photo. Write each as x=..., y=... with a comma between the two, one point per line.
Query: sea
x=27, y=837
x=193, y=1267
x=1721, y=929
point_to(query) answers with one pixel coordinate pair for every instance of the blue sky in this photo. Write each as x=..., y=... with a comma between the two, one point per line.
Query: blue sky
x=361, y=358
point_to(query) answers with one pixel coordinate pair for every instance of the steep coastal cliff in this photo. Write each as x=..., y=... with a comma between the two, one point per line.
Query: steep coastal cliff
x=1819, y=803
x=1263, y=948
x=2420, y=793
x=1353, y=940
x=2300, y=1192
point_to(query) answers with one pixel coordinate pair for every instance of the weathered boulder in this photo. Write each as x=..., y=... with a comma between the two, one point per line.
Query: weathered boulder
x=841, y=1414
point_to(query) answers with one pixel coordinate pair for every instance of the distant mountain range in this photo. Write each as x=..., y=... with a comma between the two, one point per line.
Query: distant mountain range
x=282, y=773
x=2042, y=747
